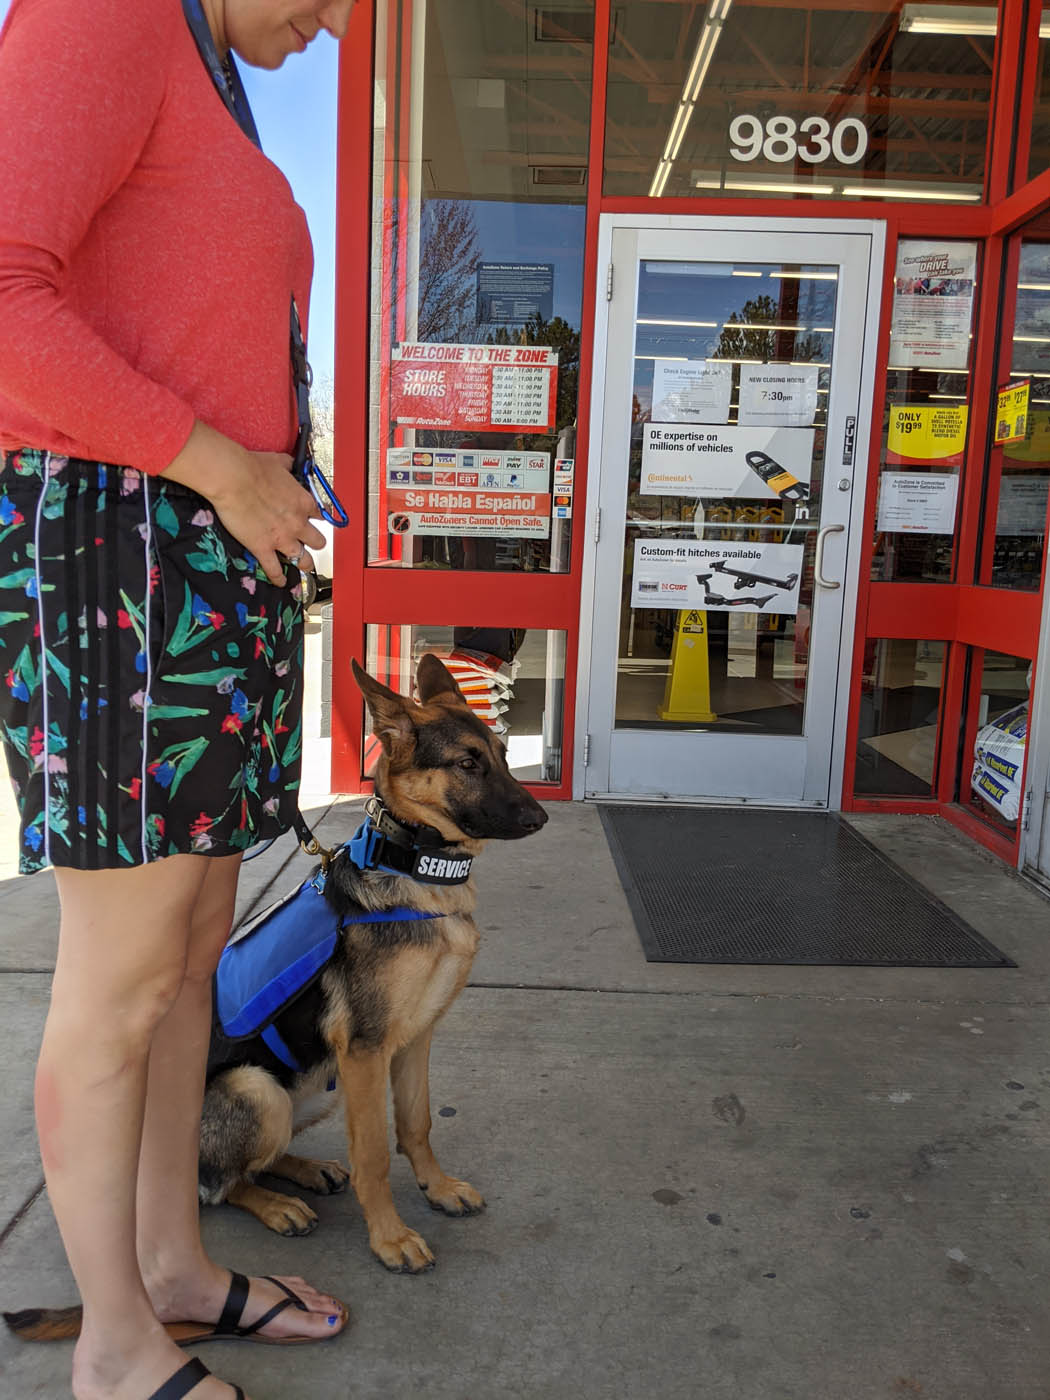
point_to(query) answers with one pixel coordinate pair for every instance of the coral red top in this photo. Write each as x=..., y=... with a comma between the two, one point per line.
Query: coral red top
x=148, y=250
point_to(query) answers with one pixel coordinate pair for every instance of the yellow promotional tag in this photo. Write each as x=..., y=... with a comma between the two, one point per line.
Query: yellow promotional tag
x=1011, y=413
x=1035, y=446
x=927, y=432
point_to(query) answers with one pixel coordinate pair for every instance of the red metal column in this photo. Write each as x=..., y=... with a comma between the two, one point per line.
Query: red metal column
x=353, y=239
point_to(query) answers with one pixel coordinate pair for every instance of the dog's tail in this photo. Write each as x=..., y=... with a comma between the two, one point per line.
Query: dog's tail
x=45, y=1324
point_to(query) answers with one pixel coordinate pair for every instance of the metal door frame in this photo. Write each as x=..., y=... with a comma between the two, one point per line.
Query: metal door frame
x=608, y=224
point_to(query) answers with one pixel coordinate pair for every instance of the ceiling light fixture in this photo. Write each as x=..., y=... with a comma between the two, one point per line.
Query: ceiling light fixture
x=710, y=33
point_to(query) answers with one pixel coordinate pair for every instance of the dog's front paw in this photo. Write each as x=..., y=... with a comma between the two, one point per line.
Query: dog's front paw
x=287, y=1215
x=453, y=1197
x=403, y=1252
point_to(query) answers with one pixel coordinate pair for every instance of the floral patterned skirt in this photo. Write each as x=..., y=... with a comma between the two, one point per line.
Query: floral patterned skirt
x=152, y=694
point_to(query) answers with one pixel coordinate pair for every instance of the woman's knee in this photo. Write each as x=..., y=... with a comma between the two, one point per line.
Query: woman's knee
x=122, y=1006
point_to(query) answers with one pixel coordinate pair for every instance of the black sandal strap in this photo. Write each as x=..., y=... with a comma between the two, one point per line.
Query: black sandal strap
x=238, y=1393
x=297, y=1301
x=185, y=1379
x=266, y=1317
x=233, y=1308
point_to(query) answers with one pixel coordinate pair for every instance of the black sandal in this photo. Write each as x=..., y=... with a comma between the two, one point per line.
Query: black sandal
x=185, y=1379
x=228, y=1328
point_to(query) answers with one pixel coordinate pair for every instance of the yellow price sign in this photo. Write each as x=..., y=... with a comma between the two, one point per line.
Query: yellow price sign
x=927, y=432
x=1011, y=413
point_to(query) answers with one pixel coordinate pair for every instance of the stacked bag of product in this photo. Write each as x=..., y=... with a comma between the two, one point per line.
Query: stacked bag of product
x=998, y=765
x=486, y=682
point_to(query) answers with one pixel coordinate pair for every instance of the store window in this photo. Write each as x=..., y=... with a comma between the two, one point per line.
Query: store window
x=512, y=678
x=481, y=139
x=900, y=703
x=1039, y=154
x=887, y=100
x=996, y=734
x=925, y=420
x=1019, y=467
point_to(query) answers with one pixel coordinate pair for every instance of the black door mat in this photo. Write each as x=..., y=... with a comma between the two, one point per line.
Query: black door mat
x=711, y=885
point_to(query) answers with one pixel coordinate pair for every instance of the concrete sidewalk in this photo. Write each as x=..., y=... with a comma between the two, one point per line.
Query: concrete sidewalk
x=722, y=1182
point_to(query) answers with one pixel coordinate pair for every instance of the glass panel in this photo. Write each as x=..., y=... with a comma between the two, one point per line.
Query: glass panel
x=1020, y=470
x=900, y=701
x=732, y=368
x=734, y=98
x=925, y=419
x=513, y=679
x=1039, y=154
x=481, y=130
x=1001, y=722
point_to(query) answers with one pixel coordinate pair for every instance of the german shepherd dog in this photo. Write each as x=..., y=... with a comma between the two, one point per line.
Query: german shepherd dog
x=369, y=1018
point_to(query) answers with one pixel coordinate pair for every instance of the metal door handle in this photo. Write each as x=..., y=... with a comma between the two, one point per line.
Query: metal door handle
x=818, y=566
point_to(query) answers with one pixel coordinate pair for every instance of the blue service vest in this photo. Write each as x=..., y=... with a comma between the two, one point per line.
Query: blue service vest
x=278, y=954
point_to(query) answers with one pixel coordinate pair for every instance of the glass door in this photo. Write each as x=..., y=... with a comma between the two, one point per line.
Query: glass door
x=734, y=427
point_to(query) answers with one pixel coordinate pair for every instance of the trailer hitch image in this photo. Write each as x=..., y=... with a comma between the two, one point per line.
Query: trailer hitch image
x=746, y=578
x=777, y=478
x=718, y=601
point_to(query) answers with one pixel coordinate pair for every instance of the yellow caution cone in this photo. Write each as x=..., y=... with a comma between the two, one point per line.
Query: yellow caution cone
x=687, y=697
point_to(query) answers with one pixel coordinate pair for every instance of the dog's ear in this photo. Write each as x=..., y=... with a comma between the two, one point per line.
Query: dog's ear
x=434, y=679
x=391, y=719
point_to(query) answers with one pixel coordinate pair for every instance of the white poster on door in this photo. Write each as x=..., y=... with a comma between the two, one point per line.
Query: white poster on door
x=753, y=463
x=716, y=577
x=691, y=391
x=778, y=396
x=932, y=304
x=919, y=503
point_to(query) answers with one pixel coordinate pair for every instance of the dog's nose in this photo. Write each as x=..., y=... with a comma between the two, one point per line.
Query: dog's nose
x=532, y=819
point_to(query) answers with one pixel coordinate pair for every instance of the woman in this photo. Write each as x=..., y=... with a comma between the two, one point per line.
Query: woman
x=149, y=632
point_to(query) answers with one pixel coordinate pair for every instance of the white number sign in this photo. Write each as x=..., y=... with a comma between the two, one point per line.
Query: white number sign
x=781, y=139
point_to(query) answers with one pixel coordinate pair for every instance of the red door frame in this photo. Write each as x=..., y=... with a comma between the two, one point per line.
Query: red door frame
x=960, y=612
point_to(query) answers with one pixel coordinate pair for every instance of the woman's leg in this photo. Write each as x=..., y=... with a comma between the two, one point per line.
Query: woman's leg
x=121, y=961
x=182, y=1282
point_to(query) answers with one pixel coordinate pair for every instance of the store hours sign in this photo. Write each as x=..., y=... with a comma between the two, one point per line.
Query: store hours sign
x=489, y=388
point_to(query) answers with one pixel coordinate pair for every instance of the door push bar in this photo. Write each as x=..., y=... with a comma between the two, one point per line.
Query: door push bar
x=746, y=578
x=818, y=566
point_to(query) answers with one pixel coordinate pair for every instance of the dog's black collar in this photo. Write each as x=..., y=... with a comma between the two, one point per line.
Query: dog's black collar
x=420, y=852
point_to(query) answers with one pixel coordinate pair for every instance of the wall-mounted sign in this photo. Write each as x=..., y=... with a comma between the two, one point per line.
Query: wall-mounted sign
x=921, y=503
x=926, y=433
x=1011, y=413
x=691, y=391
x=782, y=139
x=726, y=461
x=782, y=396
x=438, y=491
x=716, y=577
x=932, y=304
x=509, y=294
x=476, y=388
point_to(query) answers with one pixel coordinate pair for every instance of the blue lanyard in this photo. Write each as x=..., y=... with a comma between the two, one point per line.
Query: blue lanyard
x=230, y=88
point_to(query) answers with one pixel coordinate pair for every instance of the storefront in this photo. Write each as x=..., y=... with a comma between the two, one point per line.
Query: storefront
x=669, y=344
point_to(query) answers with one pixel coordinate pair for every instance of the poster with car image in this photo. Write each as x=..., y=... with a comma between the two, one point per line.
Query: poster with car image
x=716, y=577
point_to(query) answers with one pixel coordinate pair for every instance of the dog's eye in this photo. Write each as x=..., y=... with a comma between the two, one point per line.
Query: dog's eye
x=468, y=764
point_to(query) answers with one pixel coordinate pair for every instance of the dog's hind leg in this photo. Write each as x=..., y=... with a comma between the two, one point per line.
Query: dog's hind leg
x=410, y=1078
x=327, y=1178
x=363, y=1076
x=246, y=1124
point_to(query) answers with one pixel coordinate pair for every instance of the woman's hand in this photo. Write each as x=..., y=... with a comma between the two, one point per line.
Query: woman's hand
x=254, y=495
